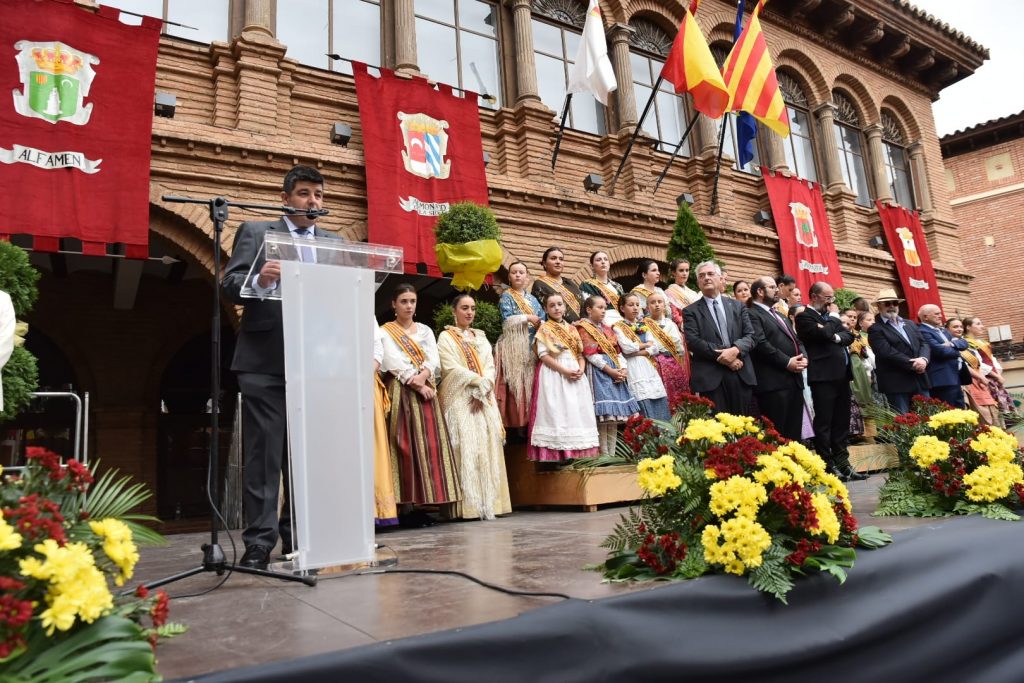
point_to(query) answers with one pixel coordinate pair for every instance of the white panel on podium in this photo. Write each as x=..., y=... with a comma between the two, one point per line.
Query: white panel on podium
x=328, y=313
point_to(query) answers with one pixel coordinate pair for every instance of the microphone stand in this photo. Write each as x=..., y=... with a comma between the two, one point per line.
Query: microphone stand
x=214, y=559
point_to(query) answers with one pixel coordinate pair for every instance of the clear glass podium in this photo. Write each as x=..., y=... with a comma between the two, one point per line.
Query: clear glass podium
x=327, y=298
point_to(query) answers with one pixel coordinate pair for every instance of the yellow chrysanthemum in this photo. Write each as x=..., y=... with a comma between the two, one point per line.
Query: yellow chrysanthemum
x=998, y=446
x=738, y=545
x=77, y=588
x=806, y=458
x=657, y=475
x=737, y=493
x=737, y=424
x=710, y=430
x=928, y=450
x=9, y=538
x=953, y=417
x=828, y=523
x=989, y=483
x=118, y=546
x=780, y=469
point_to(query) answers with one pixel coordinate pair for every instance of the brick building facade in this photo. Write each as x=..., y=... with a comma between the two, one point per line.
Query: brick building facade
x=859, y=80
x=985, y=179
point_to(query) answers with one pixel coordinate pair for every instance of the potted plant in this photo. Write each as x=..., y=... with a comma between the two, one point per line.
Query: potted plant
x=466, y=243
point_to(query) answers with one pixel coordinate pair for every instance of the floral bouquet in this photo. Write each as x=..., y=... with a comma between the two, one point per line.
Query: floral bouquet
x=951, y=464
x=59, y=553
x=727, y=493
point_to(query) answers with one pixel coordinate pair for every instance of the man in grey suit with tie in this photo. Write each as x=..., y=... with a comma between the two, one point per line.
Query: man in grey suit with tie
x=259, y=362
x=719, y=337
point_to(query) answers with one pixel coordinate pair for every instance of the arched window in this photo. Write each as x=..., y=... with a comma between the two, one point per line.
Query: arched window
x=557, y=29
x=850, y=143
x=799, y=145
x=730, y=144
x=669, y=115
x=311, y=30
x=897, y=162
x=458, y=44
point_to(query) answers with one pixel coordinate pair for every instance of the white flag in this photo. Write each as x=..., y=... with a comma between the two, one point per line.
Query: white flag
x=592, y=71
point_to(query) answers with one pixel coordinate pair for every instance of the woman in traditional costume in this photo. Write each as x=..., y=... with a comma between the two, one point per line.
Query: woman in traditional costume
x=650, y=276
x=862, y=364
x=990, y=369
x=634, y=339
x=602, y=285
x=606, y=368
x=669, y=350
x=385, y=510
x=552, y=282
x=471, y=413
x=679, y=294
x=521, y=315
x=741, y=291
x=421, y=454
x=562, y=424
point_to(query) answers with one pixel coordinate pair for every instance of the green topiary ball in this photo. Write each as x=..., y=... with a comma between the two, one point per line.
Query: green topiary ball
x=466, y=222
x=20, y=378
x=488, y=319
x=18, y=278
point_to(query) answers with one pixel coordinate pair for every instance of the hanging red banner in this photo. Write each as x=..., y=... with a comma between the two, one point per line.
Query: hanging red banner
x=913, y=263
x=805, y=240
x=75, y=136
x=423, y=152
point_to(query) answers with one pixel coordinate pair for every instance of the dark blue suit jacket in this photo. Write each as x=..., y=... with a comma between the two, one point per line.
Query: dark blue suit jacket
x=943, y=369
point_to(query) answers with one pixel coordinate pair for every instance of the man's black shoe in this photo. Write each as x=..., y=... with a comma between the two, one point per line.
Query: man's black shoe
x=255, y=557
x=843, y=477
x=854, y=475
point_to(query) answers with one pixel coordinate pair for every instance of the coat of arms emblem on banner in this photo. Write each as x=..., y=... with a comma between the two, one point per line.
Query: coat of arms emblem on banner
x=56, y=78
x=803, y=219
x=910, y=254
x=426, y=143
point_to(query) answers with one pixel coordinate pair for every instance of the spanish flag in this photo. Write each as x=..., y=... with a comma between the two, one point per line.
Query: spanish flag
x=691, y=68
x=750, y=77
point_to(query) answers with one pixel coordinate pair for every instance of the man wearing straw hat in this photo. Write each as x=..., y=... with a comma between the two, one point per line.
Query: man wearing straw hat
x=901, y=353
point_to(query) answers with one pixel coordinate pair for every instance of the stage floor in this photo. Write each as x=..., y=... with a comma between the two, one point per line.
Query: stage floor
x=253, y=620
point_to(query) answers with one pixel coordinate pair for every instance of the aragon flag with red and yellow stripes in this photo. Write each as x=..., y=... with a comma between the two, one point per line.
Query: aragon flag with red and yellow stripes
x=691, y=68
x=751, y=80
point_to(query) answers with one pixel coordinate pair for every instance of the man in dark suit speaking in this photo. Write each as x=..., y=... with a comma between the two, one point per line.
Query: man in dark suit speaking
x=779, y=361
x=719, y=337
x=259, y=362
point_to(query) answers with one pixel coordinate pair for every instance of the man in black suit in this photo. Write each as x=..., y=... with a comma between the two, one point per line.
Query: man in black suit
x=779, y=361
x=901, y=353
x=944, y=367
x=829, y=374
x=719, y=337
x=259, y=363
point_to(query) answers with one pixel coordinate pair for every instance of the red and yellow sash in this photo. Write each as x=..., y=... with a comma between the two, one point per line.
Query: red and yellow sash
x=677, y=295
x=468, y=352
x=522, y=302
x=631, y=335
x=606, y=345
x=642, y=291
x=406, y=343
x=564, y=335
x=570, y=299
x=607, y=291
x=666, y=341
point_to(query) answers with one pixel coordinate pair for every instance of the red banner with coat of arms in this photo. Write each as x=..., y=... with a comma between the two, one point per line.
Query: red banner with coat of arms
x=805, y=240
x=910, y=251
x=75, y=136
x=423, y=153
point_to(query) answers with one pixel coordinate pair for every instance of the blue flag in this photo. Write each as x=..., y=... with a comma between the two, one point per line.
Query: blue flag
x=746, y=125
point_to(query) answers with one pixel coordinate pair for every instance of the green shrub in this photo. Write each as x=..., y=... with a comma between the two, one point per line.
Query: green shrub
x=488, y=319
x=20, y=378
x=466, y=222
x=18, y=278
x=845, y=297
x=689, y=242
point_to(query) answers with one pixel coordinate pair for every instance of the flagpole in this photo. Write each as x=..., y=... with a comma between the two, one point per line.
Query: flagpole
x=675, y=152
x=636, y=131
x=718, y=164
x=561, y=129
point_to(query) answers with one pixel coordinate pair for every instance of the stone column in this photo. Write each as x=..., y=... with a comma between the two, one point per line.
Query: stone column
x=826, y=115
x=259, y=17
x=919, y=172
x=775, y=151
x=876, y=163
x=708, y=130
x=624, y=94
x=526, y=66
x=405, y=36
